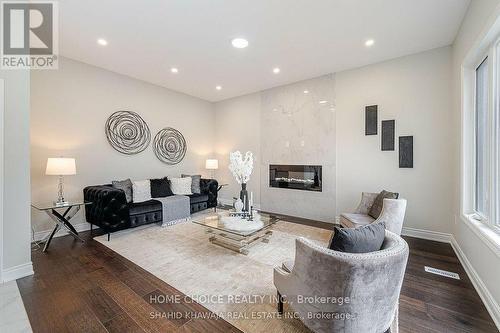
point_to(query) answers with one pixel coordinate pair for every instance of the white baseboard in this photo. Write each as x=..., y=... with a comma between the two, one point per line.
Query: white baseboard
x=427, y=234
x=489, y=301
x=39, y=235
x=17, y=272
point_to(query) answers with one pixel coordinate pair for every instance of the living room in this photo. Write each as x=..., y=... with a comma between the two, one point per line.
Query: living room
x=284, y=166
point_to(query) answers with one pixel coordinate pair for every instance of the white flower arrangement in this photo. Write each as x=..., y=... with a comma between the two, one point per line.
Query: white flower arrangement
x=241, y=168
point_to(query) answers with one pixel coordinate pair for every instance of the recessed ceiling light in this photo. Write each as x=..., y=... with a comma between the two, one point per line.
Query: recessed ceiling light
x=218, y=87
x=239, y=43
x=276, y=70
x=323, y=102
x=174, y=70
x=102, y=41
x=306, y=91
x=369, y=42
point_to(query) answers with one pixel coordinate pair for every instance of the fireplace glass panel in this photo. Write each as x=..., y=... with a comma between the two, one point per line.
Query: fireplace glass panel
x=297, y=177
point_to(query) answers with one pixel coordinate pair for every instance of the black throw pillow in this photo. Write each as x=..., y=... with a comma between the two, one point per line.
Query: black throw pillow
x=368, y=238
x=160, y=188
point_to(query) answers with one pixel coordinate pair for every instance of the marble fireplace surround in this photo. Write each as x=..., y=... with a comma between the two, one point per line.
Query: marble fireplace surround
x=298, y=128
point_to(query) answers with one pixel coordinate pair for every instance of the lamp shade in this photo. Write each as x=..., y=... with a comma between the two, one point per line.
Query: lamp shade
x=60, y=166
x=212, y=164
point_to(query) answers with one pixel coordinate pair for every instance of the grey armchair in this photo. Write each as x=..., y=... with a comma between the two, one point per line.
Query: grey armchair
x=364, y=286
x=393, y=213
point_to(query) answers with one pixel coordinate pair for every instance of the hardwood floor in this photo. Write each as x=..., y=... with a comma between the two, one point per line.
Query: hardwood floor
x=89, y=288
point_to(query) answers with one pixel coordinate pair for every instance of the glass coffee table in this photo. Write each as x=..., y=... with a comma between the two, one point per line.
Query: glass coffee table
x=225, y=235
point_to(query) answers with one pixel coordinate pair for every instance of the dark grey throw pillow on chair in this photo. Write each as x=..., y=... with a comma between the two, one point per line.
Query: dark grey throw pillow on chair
x=126, y=186
x=376, y=208
x=195, y=184
x=368, y=238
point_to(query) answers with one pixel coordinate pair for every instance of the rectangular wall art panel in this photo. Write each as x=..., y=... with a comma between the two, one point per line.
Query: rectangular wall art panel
x=406, y=151
x=388, y=130
x=371, y=120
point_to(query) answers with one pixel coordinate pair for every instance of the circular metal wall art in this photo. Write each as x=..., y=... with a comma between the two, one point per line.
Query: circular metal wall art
x=127, y=132
x=169, y=146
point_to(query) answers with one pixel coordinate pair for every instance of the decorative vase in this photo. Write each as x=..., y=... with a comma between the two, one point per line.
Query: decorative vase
x=238, y=205
x=244, y=196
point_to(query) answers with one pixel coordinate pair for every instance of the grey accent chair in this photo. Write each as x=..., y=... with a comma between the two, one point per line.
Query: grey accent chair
x=371, y=282
x=393, y=213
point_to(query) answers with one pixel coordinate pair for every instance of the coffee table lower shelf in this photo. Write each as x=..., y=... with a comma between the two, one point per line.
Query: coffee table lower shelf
x=240, y=244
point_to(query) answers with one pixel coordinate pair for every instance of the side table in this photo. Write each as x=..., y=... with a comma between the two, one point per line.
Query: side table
x=61, y=220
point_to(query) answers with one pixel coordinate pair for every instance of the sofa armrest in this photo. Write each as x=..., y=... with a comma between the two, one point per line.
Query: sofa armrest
x=366, y=203
x=209, y=187
x=109, y=209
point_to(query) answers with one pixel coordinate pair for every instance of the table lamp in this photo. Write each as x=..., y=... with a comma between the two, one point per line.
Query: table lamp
x=212, y=164
x=60, y=166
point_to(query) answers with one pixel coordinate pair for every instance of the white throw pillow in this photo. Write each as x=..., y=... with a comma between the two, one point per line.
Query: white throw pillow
x=141, y=190
x=181, y=186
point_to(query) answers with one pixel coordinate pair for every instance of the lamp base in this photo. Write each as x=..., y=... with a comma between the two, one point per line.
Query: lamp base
x=61, y=203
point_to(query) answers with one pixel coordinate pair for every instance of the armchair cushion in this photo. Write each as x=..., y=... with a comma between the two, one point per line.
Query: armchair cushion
x=368, y=238
x=376, y=208
x=349, y=220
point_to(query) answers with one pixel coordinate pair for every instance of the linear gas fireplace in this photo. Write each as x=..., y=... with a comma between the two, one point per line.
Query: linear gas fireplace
x=297, y=177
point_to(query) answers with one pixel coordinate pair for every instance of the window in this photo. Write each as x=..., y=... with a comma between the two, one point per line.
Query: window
x=481, y=141
x=481, y=191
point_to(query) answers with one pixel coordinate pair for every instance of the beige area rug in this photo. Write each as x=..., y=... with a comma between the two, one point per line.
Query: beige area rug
x=182, y=256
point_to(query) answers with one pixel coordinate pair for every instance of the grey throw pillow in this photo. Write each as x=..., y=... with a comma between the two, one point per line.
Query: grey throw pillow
x=376, y=208
x=195, y=184
x=368, y=238
x=126, y=186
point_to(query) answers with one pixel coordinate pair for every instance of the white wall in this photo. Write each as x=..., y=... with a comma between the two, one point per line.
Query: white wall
x=415, y=91
x=15, y=244
x=484, y=260
x=69, y=108
x=238, y=128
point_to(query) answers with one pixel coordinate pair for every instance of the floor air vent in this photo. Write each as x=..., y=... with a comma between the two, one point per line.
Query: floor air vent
x=442, y=273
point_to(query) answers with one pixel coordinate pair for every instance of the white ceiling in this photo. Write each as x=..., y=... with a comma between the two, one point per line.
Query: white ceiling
x=305, y=38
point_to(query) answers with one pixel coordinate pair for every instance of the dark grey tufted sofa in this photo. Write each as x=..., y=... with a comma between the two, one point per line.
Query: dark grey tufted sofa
x=111, y=212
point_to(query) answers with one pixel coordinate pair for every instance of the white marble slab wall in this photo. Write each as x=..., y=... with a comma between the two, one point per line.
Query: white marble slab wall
x=298, y=127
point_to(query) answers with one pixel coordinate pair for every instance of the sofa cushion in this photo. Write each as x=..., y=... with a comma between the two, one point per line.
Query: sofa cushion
x=125, y=186
x=181, y=186
x=195, y=198
x=355, y=220
x=376, y=208
x=368, y=238
x=141, y=190
x=160, y=188
x=195, y=183
x=144, y=207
